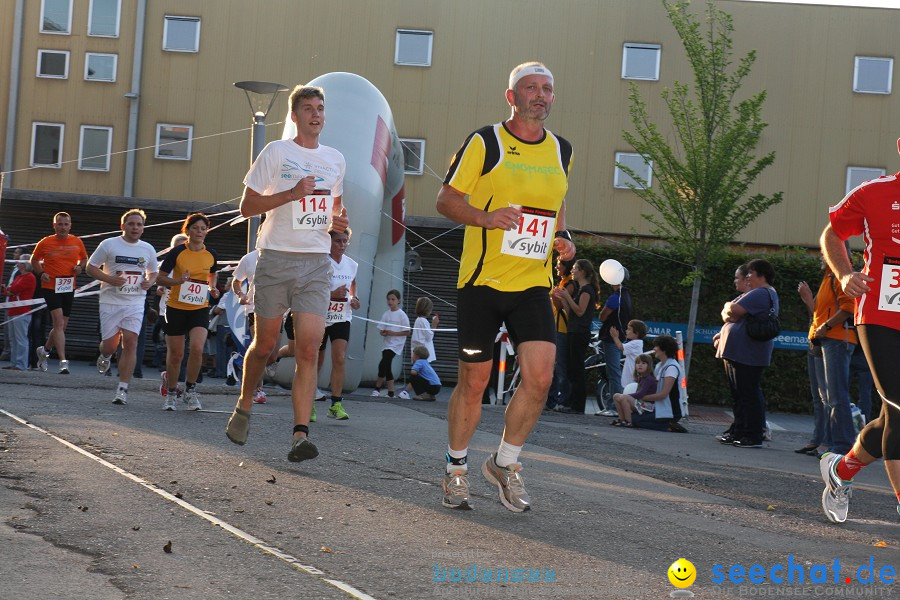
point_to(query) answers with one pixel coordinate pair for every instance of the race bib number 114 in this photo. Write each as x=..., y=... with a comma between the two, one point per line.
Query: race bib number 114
x=313, y=212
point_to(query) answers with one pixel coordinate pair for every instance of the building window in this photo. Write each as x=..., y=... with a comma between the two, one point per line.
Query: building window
x=413, y=156
x=858, y=175
x=641, y=61
x=103, y=18
x=56, y=16
x=413, y=47
x=53, y=63
x=100, y=67
x=174, y=141
x=872, y=75
x=181, y=34
x=46, y=144
x=94, y=148
x=635, y=162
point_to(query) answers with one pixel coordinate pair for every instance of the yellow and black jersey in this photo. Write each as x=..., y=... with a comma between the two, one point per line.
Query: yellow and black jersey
x=496, y=169
x=199, y=264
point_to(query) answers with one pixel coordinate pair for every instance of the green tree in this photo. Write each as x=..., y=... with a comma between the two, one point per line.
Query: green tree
x=702, y=178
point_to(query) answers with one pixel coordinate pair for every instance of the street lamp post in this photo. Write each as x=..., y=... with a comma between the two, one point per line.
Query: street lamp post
x=261, y=96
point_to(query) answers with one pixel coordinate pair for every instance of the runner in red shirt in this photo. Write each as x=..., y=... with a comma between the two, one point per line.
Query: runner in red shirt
x=873, y=211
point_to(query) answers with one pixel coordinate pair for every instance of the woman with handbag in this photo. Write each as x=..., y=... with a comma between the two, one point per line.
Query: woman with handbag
x=746, y=342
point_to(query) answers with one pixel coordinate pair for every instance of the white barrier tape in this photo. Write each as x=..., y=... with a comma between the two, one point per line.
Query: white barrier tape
x=405, y=327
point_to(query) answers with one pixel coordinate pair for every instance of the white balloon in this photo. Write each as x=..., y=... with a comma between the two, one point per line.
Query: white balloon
x=612, y=271
x=630, y=388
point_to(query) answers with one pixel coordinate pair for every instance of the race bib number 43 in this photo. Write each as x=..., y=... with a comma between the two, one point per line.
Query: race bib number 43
x=534, y=236
x=889, y=294
x=64, y=285
x=338, y=312
x=313, y=212
x=193, y=292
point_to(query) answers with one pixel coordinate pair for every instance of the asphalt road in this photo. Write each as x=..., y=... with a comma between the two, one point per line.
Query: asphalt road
x=92, y=494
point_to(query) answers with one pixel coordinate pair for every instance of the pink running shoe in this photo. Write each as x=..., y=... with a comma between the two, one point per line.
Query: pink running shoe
x=164, y=386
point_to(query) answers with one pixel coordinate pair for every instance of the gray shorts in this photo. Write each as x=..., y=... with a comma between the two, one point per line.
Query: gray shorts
x=288, y=280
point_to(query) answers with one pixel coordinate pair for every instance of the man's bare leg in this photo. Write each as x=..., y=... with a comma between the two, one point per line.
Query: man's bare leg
x=308, y=332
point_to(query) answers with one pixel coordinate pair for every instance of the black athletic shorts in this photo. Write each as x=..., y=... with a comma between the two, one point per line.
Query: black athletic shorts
x=481, y=310
x=180, y=321
x=63, y=301
x=289, y=325
x=338, y=331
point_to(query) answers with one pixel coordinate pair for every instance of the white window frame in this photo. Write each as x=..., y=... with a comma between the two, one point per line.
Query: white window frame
x=68, y=30
x=421, y=32
x=169, y=18
x=81, y=155
x=875, y=173
x=421, y=168
x=620, y=176
x=640, y=46
x=41, y=52
x=118, y=20
x=62, y=139
x=190, y=141
x=87, y=64
x=890, y=75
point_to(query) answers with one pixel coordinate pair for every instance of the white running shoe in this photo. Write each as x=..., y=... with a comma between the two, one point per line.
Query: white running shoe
x=836, y=496
x=193, y=400
x=103, y=363
x=169, y=403
x=42, y=358
x=259, y=396
x=271, y=370
x=375, y=394
x=64, y=367
x=121, y=397
x=403, y=394
x=320, y=394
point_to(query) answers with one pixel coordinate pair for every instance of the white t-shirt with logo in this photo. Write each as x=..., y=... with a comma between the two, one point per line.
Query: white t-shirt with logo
x=133, y=261
x=246, y=269
x=301, y=225
x=343, y=273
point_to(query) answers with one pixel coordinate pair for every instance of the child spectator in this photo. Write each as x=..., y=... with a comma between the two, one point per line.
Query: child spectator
x=394, y=329
x=422, y=334
x=626, y=404
x=667, y=399
x=633, y=346
x=423, y=380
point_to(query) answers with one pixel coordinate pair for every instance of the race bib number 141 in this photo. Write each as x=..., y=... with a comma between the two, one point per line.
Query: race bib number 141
x=534, y=235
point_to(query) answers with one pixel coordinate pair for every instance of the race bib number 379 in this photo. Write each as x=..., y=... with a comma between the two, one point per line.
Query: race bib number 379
x=534, y=235
x=313, y=212
x=889, y=294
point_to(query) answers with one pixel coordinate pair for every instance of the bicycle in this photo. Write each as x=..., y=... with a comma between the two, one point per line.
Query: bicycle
x=597, y=361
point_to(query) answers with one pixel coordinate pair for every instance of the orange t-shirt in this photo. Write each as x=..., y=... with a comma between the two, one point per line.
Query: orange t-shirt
x=60, y=257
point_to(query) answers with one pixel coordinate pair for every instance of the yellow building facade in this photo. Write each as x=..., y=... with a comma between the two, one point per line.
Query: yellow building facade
x=135, y=97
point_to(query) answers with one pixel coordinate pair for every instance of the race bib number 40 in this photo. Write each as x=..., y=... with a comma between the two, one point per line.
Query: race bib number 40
x=193, y=292
x=313, y=212
x=534, y=236
x=64, y=285
x=889, y=294
x=132, y=285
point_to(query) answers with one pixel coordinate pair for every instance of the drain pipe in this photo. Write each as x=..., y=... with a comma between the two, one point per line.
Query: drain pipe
x=134, y=96
x=12, y=109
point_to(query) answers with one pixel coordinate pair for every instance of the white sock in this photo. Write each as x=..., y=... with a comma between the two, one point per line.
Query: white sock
x=123, y=386
x=507, y=454
x=457, y=454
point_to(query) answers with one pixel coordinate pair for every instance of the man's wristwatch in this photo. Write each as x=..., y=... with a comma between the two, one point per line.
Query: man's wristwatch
x=564, y=234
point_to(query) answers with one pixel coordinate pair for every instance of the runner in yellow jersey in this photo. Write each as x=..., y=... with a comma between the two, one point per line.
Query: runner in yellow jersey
x=507, y=184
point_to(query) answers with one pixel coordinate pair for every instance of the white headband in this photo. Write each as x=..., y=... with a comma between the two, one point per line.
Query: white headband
x=529, y=70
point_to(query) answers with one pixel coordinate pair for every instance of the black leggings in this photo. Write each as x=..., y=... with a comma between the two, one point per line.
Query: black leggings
x=384, y=367
x=881, y=437
x=577, y=343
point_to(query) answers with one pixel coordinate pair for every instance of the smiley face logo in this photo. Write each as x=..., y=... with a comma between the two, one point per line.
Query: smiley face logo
x=682, y=573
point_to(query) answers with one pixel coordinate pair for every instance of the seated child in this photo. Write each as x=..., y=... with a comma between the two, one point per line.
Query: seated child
x=423, y=380
x=667, y=398
x=626, y=404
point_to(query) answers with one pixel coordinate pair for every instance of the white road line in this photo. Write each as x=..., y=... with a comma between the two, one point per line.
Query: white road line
x=237, y=532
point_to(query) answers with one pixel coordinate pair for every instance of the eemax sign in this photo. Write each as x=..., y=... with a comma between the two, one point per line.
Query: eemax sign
x=795, y=572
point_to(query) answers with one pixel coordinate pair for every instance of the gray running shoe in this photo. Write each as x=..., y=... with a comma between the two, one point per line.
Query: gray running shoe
x=103, y=363
x=64, y=367
x=168, y=403
x=836, y=496
x=509, y=484
x=302, y=449
x=193, y=400
x=238, y=426
x=121, y=397
x=42, y=358
x=456, y=490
